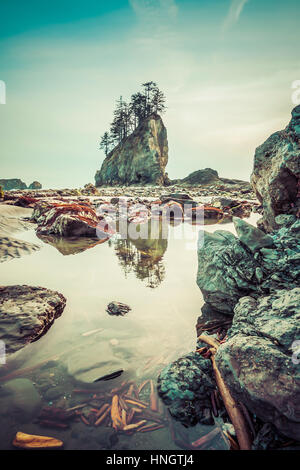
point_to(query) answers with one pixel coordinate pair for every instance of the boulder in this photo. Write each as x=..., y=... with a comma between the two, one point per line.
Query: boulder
x=276, y=173
x=252, y=237
x=69, y=219
x=254, y=264
x=26, y=314
x=13, y=183
x=140, y=159
x=185, y=386
x=257, y=363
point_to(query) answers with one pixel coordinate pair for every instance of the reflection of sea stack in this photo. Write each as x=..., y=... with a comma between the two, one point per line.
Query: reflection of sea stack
x=144, y=256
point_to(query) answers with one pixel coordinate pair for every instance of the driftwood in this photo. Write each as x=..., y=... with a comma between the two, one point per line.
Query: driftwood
x=31, y=441
x=236, y=416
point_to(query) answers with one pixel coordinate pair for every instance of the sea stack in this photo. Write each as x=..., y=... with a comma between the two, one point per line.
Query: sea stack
x=140, y=159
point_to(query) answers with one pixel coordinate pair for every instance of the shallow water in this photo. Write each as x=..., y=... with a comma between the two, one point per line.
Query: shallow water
x=156, y=278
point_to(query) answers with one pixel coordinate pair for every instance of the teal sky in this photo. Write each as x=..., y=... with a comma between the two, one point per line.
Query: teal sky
x=226, y=68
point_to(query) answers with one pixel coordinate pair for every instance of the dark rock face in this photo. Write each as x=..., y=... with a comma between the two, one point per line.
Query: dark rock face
x=253, y=264
x=140, y=159
x=205, y=176
x=35, y=185
x=257, y=363
x=185, y=386
x=26, y=314
x=13, y=183
x=276, y=173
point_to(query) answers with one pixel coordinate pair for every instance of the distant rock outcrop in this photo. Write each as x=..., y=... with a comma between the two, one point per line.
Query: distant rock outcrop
x=35, y=185
x=276, y=173
x=205, y=176
x=140, y=159
x=13, y=183
x=209, y=177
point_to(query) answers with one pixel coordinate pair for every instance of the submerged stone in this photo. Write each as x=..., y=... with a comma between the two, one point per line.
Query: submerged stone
x=19, y=400
x=185, y=386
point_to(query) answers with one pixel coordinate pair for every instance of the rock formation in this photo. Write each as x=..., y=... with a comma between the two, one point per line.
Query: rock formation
x=69, y=219
x=140, y=159
x=255, y=278
x=276, y=173
x=256, y=360
x=252, y=264
x=206, y=176
x=35, y=185
x=13, y=183
x=185, y=386
x=26, y=314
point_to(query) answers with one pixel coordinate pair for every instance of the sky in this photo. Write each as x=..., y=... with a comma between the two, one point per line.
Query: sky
x=226, y=68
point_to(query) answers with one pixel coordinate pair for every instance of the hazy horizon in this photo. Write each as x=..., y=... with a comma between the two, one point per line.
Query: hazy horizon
x=226, y=68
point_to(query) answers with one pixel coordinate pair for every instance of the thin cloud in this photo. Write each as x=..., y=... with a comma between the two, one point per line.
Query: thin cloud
x=234, y=13
x=154, y=9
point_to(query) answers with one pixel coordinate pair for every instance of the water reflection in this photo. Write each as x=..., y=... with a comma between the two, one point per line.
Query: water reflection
x=71, y=245
x=144, y=256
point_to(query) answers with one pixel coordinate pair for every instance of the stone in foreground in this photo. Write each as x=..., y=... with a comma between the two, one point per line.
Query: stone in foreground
x=257, y=361
x=67, y=219
x=253, y=264
x=26, y=314
x=252, y=237
x=185, y=386
x=140, y=159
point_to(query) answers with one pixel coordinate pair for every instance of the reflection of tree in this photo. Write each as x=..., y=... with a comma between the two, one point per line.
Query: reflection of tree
x=144, y=256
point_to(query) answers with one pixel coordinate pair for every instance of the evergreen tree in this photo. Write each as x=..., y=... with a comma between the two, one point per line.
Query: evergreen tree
x=128, y=116
x=138, y=107
x=158, y=101
x=149, y=89
x=106, y=143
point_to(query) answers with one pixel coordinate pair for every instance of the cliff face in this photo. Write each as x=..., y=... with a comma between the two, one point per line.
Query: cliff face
x=140, y=159
x=276, y=173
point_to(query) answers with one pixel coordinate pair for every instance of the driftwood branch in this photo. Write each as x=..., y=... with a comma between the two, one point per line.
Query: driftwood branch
x=237, y=418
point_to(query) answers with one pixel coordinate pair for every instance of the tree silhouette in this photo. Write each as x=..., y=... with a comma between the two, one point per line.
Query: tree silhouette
x=106, y=143
x=127, y=117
